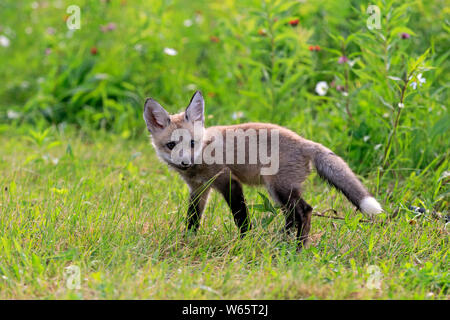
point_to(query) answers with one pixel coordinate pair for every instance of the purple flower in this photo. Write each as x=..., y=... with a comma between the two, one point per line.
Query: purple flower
x=111, y=26
x=405, y=35
x=51, y=31
x=342, y=60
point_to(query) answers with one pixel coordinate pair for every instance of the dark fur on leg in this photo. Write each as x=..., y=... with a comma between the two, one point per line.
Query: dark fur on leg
x=298, y=214
x=234, y=196
x=197, y=203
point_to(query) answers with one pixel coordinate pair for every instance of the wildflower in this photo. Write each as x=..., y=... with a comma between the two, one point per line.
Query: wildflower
x=401, y=105
x=321, y=88
x=262, y=32
x=237, y=115
x=342, y=59
x=170, y=51
x=198, y=17
x=11, y=114
x=48, y=51
x=314, y=48
x=191, y=87
x=294, y=22
x=187, y=23
x=214, y=39
x=138, y=47
x=405, y=35
x=317, y=48
x=94, y=51
x=51, y=31
x=419, y=79
x=111, y=26
x=4, y=41
x=340, y=88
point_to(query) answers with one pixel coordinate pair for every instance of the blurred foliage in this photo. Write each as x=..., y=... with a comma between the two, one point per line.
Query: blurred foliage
x=386, y=94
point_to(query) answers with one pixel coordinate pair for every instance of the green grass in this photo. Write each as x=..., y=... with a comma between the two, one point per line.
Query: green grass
x=81, y=186
x=108, y=206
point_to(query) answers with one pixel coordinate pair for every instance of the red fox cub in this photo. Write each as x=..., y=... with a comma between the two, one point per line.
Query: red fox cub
x=225, y=157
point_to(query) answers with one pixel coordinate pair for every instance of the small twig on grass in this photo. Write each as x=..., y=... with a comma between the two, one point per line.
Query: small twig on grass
x=321, y=214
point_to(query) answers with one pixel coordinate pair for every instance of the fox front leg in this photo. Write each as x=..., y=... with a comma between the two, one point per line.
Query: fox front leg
x=231, y=190
x=197, y=202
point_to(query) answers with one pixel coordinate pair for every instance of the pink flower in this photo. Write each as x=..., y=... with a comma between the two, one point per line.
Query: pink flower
x=405, y=35
x=342, y=60
x=111, y=26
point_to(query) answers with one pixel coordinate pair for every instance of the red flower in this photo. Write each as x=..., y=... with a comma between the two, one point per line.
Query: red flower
x=94, y=51
x=214, y=39
x=294, y=22
x=317, y=48
x=314, y=48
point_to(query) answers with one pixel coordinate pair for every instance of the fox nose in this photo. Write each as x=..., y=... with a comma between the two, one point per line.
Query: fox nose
x=185, y=164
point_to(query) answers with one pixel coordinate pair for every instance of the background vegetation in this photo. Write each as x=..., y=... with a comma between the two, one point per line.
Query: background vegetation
x=80, y=184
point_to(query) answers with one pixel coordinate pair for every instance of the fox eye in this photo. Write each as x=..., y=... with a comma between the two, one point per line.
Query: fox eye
x=171, y=145
x=192, y=143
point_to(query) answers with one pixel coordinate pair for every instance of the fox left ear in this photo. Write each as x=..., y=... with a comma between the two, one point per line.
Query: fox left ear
x=196, y=109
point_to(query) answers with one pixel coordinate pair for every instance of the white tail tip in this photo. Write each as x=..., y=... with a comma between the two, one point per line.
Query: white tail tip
x=370, y=206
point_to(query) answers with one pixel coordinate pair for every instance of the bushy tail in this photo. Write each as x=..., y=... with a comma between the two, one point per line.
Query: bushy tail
x=334, y=170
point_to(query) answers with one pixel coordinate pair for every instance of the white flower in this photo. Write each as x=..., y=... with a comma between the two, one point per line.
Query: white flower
x=11, y=114
x=420, y=79
x=237, y=115
x=187, y=23
x=4, y=41
x=321, y=88
x=401, y=105
x=170, y=51
x=138, y=47
x=191, y=87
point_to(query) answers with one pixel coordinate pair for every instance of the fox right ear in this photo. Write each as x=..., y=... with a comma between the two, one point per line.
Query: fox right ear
x=155, y=116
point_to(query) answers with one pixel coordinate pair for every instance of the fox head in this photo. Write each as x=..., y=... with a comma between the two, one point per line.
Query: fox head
x=176, y=138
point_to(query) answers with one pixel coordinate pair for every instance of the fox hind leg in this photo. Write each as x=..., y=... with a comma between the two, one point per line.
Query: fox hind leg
x=297, y=211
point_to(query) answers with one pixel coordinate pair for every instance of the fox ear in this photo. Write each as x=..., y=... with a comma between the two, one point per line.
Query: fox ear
x=155, y=116
x=196, y=109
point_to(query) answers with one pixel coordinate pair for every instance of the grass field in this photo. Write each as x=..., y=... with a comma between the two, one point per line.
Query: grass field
x=88, y=212
x=109, y=207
